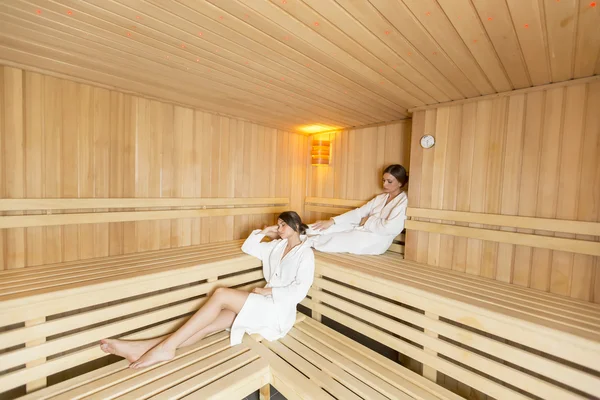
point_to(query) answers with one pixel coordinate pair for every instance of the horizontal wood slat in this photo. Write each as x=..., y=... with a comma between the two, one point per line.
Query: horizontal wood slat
x=546, y=242
x=334, y=202
x=71, y=204
x=546, y=224
x=26, y=221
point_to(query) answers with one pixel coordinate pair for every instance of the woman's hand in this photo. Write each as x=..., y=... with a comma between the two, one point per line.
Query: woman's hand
x=322, y=225
x=271, y=231
x=363, y=221
x=262, y=291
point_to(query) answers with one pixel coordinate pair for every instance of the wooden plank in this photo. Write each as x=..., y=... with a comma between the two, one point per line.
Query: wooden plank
x=507, y=220
x=548, y=184
x=34, y=142
x=583, y=284
x=286, y=377
x=477, y=200
x=112, y=374
x=503, y=351
x=319, y=377
x=90, y=218
x=533, y=89
x=569, y=183
x=144, y=384
x=18, y=336
x=333, y=369
x=13, y=159
x=540, y=242
x=463, y=190
x=243, y=381
x=511, y=179
x=561, y=29
x=528, y=193
x=412, y=384
x=146, y=202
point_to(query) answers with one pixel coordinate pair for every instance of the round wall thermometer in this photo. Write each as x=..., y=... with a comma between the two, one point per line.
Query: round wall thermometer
x=427, y=141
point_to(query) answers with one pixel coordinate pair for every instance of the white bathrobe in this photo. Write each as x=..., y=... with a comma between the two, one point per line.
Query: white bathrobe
x=384, y=223
x=289, y=278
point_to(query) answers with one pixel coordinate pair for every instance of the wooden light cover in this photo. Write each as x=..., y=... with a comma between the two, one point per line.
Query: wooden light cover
x=320, y=152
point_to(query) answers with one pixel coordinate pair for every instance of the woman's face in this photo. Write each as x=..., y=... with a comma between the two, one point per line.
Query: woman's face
x=390, y=183
x=284, y=230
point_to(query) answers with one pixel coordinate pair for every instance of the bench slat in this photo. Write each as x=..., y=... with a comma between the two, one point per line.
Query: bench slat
x=57, y=274
x=576, y=335
x=462, y=374
x=498, y=370
x=242, y=382
x=310, y=354
x=148, y=382
x=391, y=372
x=54, y=327
x=306, y=368
x=584, y=321
x=289, y=382
x=87, y=264
x=96, y=376
x=559, y=372
x=53, y=302
x=20, y=377
x=248, y=362
x=110, y=275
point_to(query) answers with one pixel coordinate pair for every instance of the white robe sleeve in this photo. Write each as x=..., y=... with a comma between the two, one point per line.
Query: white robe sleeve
x=296, y=291
x=392, y=225
x=254, y=247
x=354, y=216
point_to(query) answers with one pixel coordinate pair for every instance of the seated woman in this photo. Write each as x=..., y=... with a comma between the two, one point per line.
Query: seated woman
x=370, y=229
x=288, y=267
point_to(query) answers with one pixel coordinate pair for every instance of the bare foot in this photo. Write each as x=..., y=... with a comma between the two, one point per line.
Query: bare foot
x=132, y=350
x=156, y=355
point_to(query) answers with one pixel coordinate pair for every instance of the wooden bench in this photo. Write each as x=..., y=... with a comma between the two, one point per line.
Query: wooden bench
x=331, y=207
x=54, y=316
x=498, y=339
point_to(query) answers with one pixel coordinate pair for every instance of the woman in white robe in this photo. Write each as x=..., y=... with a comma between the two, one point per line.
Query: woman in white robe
x=370, y=229
x=288, y=267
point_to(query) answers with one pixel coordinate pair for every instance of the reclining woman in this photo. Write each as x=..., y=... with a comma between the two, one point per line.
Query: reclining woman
x=288, y=268
x=370, y=229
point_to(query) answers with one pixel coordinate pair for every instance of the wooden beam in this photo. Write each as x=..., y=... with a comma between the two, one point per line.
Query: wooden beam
x=549, y=86
x=543, y=224
x=26, y=221
x=546, y=242
x=72, y=204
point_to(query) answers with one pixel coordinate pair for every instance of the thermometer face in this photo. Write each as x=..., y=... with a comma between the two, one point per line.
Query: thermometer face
x=427, y=141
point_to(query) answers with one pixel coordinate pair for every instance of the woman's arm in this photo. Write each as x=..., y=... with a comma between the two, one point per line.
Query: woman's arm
x=354, y=216
x=393, y=224
x=254, y=247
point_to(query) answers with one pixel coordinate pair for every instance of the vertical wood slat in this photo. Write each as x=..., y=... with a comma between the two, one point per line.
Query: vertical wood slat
x=42, y=382
x=530, y=154
x=66, y=139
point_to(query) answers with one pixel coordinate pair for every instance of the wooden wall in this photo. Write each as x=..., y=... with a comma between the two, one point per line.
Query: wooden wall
x=61, y=139
x=534, y=154
x=358, y=158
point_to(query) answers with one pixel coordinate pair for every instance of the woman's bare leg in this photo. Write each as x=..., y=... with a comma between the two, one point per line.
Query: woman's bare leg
x=222, y=299
x=132, y=350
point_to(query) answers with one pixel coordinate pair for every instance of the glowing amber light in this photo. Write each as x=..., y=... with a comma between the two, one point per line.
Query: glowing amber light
x=320, y=152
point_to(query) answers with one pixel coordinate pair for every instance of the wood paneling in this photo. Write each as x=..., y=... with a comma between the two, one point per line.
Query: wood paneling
x=533, y=154
x=61, y=139
x=287, y=64
x=358, y=158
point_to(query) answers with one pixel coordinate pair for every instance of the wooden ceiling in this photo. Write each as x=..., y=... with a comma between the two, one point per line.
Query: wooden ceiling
x=296, y=63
